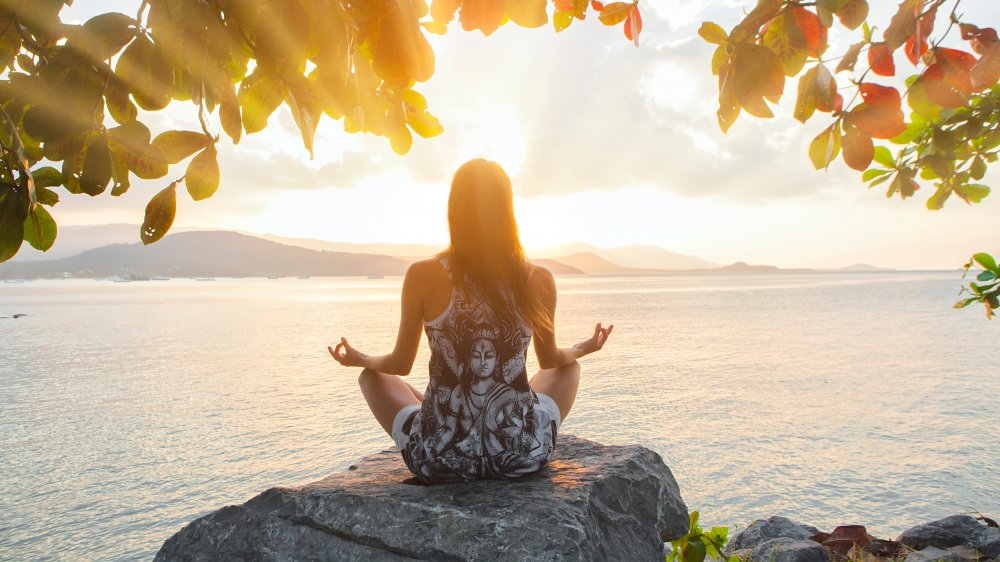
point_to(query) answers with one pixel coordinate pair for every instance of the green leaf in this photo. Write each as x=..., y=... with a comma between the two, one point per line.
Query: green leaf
x=12, y=215
x=202, y=176
x=159, y=214
x=46, y=177
x=46, y=196
x=966, y=302
x=143, y=68
x=936, y=201
x=102, y=36
x=972, y=192
x=695, y=552
x=40, y=229
x=986, y=261
x=873, y=173
x=96, y=172
x=978, y=168
x=178, y=145
x=986, y=276
x=260, y=94
x=884, y=157
x=880, y=180
x=913, y=130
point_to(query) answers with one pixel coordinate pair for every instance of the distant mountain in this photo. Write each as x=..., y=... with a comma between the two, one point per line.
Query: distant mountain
x=743, y=267
x=557, y=267
x=588, y=262
x=412, y=252
x=207, y=254
x=860, y=267
x=634, y=257
x=74, y=239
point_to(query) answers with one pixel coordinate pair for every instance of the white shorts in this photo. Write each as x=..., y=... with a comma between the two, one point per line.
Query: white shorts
x=545, y=402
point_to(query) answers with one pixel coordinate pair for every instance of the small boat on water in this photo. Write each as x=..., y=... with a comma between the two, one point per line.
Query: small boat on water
x=159, y=278
x=376, y=277
x=205, y=279
x=303, y=277
x=274, y=277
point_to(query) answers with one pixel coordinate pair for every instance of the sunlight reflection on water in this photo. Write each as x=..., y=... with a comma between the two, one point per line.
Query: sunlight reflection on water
x=130, y=409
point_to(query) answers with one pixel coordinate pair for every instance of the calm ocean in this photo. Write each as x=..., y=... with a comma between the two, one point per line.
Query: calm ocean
x=128, y=409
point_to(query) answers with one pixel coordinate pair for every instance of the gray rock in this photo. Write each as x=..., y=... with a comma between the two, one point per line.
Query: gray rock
x=593, y=502
x=784, y=549
x=955, y=530
x=932, y=554
x=763, y=530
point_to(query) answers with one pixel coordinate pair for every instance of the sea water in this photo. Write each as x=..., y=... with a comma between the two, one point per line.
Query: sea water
x=129, y=409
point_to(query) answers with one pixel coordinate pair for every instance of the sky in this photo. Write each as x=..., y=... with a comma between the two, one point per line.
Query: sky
x=605, y=143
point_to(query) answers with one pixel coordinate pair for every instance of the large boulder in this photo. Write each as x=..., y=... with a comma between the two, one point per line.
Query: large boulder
x=776, y=526
x=593, y=502
x=955, y=530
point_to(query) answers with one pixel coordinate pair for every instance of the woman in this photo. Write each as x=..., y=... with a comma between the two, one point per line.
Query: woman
x=479, y=302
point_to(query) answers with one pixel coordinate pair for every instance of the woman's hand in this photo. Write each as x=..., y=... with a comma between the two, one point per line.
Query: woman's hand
x=346, y=355
x=597, y=341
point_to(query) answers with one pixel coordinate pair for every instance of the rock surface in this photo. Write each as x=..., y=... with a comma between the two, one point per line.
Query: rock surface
x=763, y=530
x=783, y=549
x=593, y=502
x=955, y=530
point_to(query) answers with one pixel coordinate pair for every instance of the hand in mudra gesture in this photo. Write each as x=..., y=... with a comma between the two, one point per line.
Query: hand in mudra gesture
x=346, y=355
x=597, y=341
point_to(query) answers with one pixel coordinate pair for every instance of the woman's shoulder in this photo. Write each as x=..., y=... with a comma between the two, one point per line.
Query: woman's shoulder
x=539, y=276
x=430, y=269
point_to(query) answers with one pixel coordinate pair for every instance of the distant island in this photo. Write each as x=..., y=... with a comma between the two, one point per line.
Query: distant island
x=107, y=251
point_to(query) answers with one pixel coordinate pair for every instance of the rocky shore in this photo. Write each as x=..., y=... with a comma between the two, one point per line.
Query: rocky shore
x=957, y=538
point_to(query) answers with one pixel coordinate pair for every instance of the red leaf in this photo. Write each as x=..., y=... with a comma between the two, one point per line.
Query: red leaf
x=596, y=5
x=948, y=79
x=633, y=25
x=858, y=148
x=838, y=103
x=916, y=44
x=808, y=33
x=915, y=50
x=881, y=114
x=880, y=59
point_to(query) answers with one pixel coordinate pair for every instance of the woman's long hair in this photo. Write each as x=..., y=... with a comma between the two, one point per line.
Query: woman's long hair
x=484, y=242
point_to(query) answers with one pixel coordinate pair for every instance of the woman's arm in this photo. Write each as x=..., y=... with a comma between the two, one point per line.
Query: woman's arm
x=400, y=361
x=550, y=355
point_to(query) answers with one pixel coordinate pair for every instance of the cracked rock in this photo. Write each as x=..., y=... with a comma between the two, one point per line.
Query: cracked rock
x=593, y=502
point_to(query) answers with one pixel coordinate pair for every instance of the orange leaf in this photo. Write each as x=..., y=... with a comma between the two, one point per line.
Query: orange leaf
x=763, y=12
x=615, y=13
x=633, y=25
x=597, y=6
x=757, y=73
x=729, y=107
x=858, y=148
x=980, y=39
x=826, y=89
x=903, y=24
x=853, y=13
x=880, y=59
x=564, y=5
x=948, y=79
x=881, y=114
x=986, y=72
x=484, y=15
x=850, y=57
